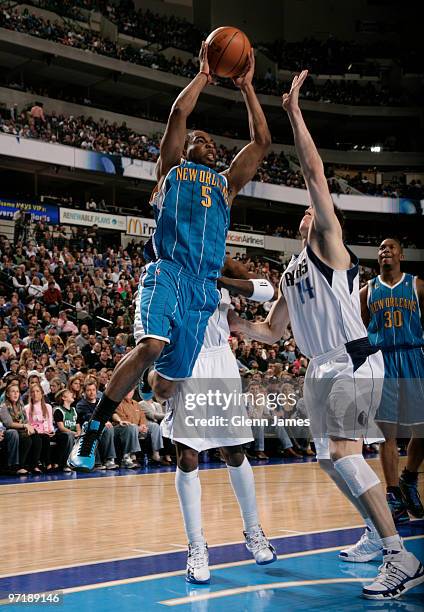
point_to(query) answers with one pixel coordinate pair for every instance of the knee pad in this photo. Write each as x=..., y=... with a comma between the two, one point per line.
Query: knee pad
x=357, y=474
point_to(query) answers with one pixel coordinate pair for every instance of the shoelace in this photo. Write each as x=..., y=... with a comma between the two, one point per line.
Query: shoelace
x=389, y=575
x=87, y=444
x=197, y=556
x=256, y=540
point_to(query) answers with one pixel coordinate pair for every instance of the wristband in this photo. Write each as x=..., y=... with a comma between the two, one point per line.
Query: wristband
x=263, y=291
x=205, y=73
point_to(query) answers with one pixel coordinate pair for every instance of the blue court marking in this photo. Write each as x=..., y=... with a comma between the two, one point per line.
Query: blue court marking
x=124, y=569
x=315, y=581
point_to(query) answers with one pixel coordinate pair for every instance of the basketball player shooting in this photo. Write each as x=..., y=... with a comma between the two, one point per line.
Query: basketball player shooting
x=319, y=295
x=391, y=305
x=178, y=292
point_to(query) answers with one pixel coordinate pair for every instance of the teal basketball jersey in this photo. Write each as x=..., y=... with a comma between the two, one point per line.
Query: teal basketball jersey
x=192, y=217
x=395, y=317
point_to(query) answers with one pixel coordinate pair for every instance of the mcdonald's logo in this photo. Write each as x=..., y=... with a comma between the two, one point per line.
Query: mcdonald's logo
x=137, y=226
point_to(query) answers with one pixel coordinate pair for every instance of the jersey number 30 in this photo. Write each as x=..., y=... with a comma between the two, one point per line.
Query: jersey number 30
x=394, y=319
x=305, y=287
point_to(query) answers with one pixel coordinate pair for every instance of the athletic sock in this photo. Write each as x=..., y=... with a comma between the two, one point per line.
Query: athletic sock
x=189, y=493
x=393, y=542
x=104, y=410
x=396, y=492
x=243, y=484
x=409, y=477
x=373, y=533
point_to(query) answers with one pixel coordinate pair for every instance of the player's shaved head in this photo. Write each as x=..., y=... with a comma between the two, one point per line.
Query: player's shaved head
x=390, y=254
x=200, y=148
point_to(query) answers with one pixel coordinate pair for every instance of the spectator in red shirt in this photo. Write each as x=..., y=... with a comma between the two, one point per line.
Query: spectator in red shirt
x=52, y=298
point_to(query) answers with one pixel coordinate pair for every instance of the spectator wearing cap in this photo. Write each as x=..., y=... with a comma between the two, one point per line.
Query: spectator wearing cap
x=24, y=451
x=85, y=408
x=65, y=419
x=36, y=377
x=38, y=345
x=40, y=416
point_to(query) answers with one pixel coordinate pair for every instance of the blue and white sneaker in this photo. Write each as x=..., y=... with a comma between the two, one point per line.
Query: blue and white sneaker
x=83, y=455
x=400, y=572
x=260, y=547
x=198, y=563
x=366, y=549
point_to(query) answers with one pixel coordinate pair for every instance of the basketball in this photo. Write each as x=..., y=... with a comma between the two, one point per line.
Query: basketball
x=228, y=51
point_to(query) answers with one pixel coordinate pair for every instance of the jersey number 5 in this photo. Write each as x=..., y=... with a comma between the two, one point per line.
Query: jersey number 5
x=305, y=287
x=207, y=202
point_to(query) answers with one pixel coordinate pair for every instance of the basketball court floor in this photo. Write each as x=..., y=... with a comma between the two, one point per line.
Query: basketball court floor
x=116, y=542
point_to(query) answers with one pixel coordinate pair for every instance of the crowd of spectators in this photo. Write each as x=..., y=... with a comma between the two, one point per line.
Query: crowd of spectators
x=114, y=139
x=329, y=56
x=170, y=31
x=66, y=312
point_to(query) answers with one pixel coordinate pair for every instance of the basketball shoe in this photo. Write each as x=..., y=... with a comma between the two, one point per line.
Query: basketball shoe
x=408, y=484
x=83, y=455
x=397, y=508
x=399, y=572
x=260, y=547
x=367, y=548
x=198, y=563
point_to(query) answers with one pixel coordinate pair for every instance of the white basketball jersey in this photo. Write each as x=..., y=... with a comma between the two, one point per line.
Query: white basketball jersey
x=323, y=303
x=218, y=330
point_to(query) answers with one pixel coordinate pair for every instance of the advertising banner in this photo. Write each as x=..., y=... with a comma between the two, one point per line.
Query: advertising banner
x=90, y=218
x=138, y=226
x=243, y=239
x=38, y=212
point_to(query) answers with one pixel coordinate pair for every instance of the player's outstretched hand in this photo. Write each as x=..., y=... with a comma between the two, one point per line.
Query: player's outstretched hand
x=246, y=76
x=291, y=100
x=203, y=61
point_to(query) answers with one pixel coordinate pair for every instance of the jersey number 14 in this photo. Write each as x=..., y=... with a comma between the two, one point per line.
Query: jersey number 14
x=305, y=287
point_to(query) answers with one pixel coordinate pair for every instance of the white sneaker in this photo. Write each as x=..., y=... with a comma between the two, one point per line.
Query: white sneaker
x=366, y=549
x=197, y=563
x=111, y=465
x=260, y=547
x=399, y=572
x=127, y=462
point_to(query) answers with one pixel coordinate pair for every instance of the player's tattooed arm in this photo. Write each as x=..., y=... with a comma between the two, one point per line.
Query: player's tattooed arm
x=268, y=331
x=365, y=313
x=172, y=144
x=245, y=164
